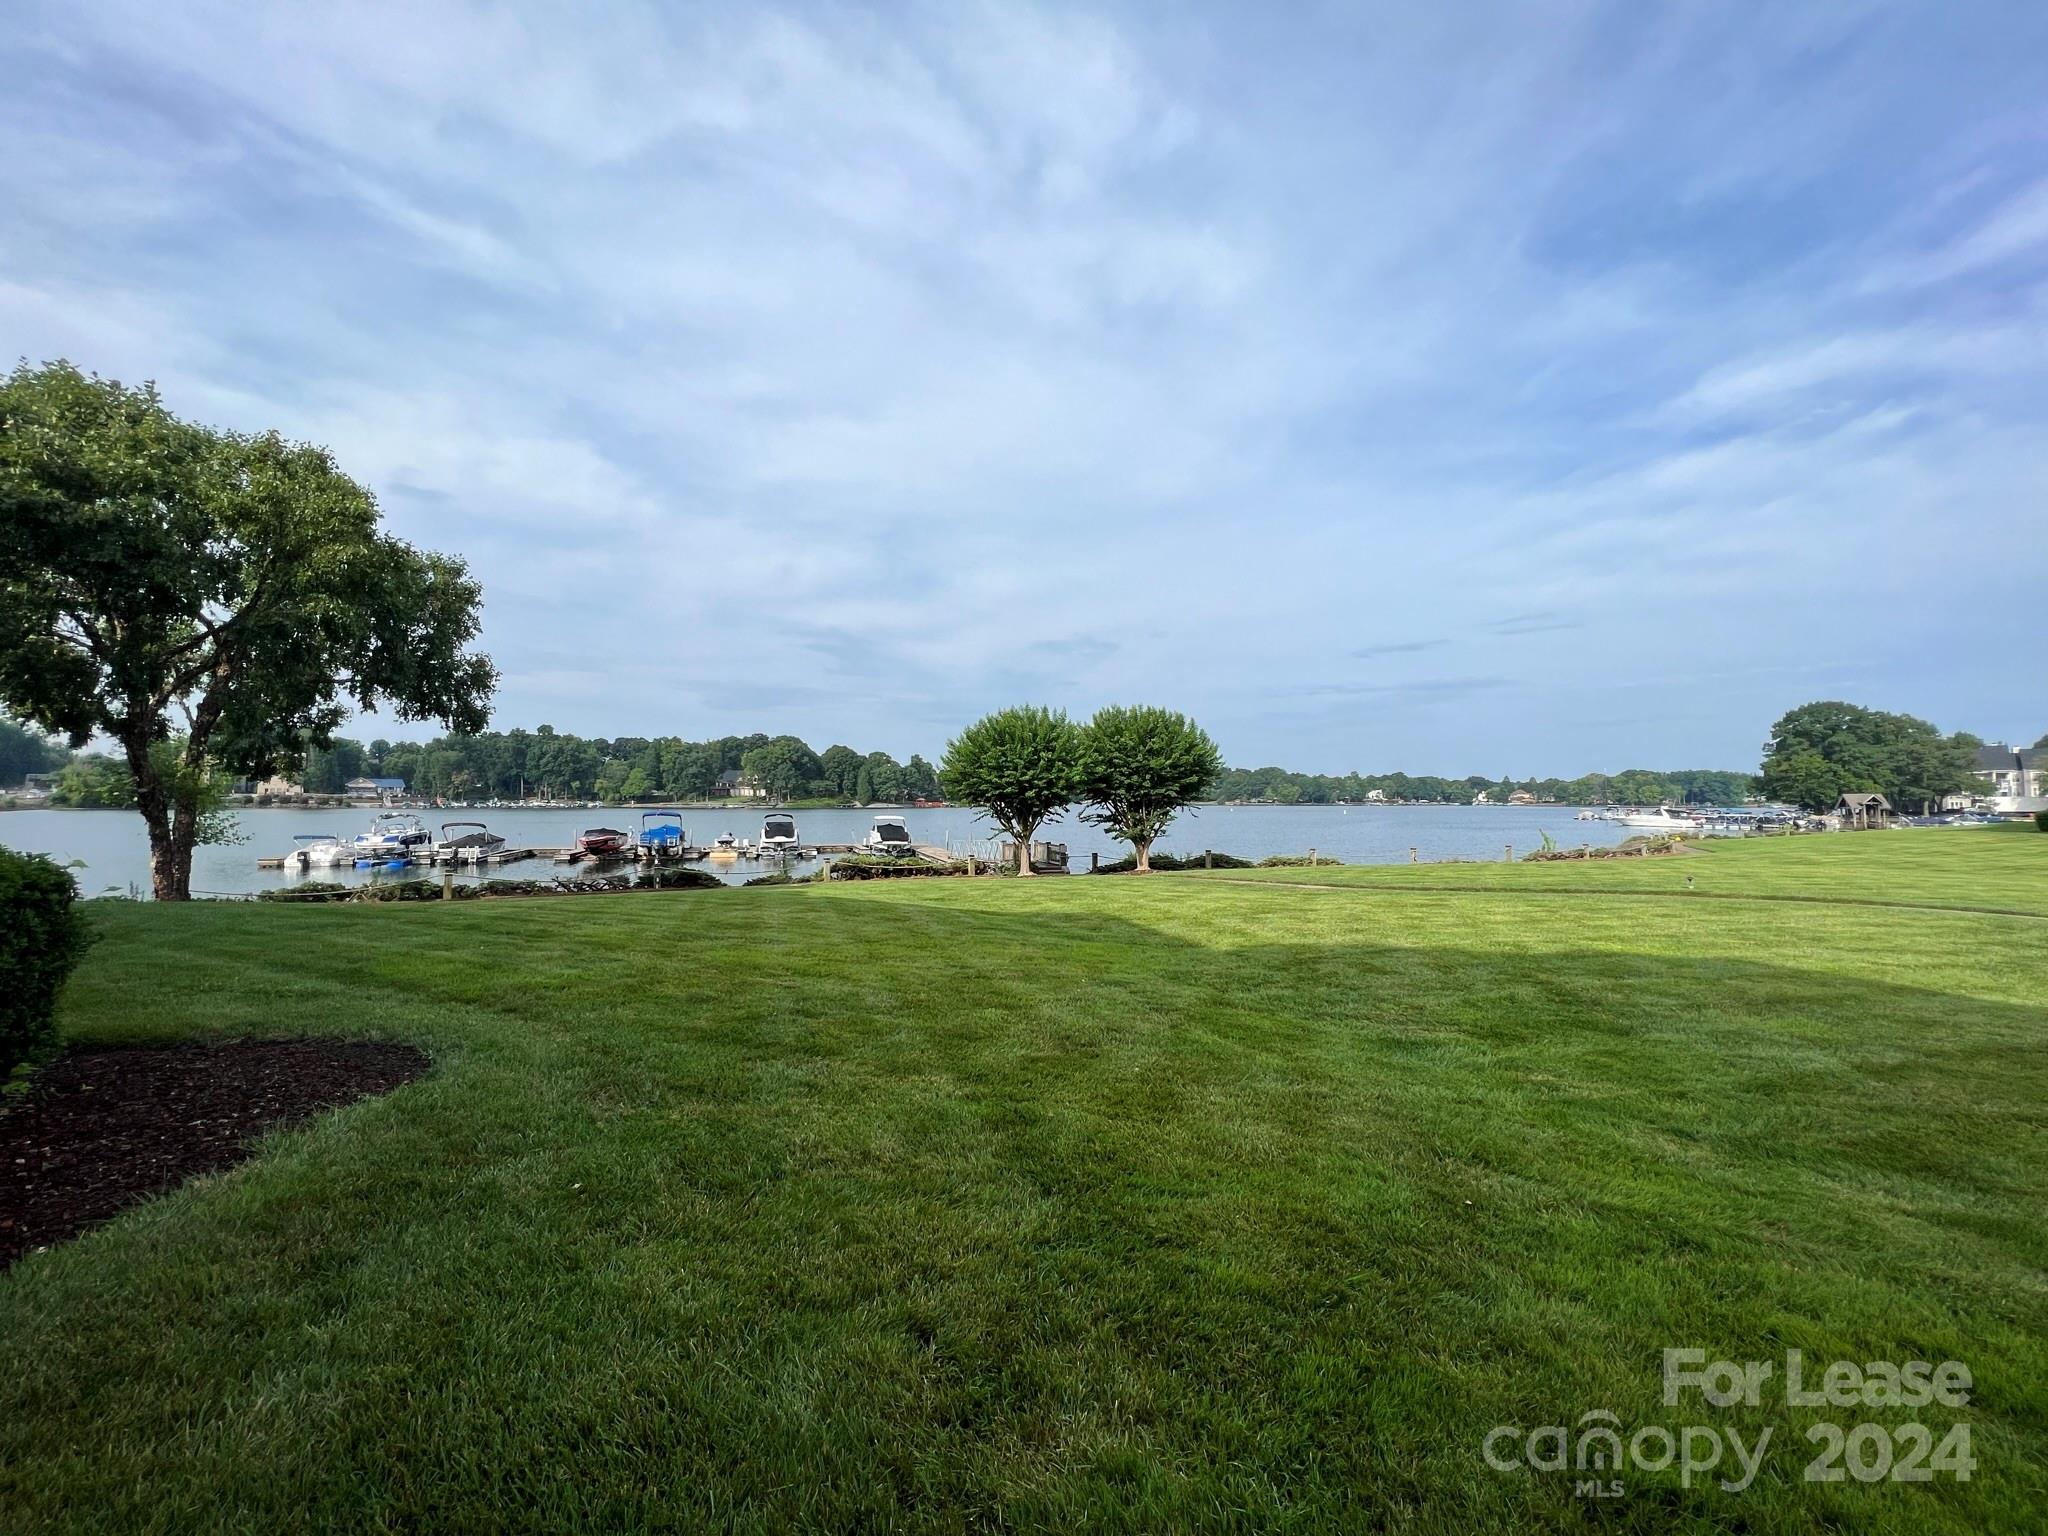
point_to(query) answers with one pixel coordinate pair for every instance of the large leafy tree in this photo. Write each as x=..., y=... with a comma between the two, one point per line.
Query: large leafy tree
x=1139, y=766
x=24, y=752
x=163, y=580
x=1819, y=750
x=1021, y=766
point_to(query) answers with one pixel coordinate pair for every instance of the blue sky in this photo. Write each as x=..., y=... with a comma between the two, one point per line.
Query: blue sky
x=1515, y=389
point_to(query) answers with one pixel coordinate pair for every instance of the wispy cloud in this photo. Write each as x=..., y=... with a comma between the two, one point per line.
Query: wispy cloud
x=810, y=369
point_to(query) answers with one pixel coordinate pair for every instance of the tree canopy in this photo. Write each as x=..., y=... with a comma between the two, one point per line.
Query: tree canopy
x=1021, y=766
x=1818, y=751
x=159, y=578
x=23, y=752
x=1139, y=766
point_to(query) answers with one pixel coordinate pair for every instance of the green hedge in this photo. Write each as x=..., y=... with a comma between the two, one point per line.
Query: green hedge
x=42, y=934
x=2041, y=820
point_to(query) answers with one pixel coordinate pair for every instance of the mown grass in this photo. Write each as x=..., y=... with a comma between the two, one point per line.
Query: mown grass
x=1999, y=868
x=1110, y=1204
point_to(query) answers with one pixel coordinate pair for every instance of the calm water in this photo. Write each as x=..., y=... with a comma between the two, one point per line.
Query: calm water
x=114, y=852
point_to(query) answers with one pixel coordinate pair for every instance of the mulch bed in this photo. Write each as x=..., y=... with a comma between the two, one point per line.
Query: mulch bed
x=100, y=1130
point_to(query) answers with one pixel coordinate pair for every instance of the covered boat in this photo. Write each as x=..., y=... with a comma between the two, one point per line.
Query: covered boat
x=601, y=842
x=467, y=842
x=890, y=838
x=661, y=834
x=778, y=836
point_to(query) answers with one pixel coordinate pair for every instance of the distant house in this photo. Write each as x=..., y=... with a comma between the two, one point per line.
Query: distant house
x=2012, y=779
x=1864, y=812
x=1521, y=797
x=1376, y=796
x=738, y=786
x=278, y=787
x=378, y=790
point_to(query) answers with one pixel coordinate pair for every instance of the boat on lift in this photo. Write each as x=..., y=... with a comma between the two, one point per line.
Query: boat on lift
x=467, y=842
x=601, y=842
x=392, y=834
x=661, y=834
x=319, y=850
x=726, y=846
x=889, y=838
x=778, y=836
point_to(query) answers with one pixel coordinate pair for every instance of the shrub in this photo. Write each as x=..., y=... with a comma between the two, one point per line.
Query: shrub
x=1168, y=862
x=2041, y=820
x=679, y=880
x=42, y=934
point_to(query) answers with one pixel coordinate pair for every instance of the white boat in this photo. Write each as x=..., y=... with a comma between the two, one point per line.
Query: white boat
x=725, y=846
x=778, y=836
x=467, y=842
x=1663, y=819
x=394, y=834
x=889, y=838
x=319, y=850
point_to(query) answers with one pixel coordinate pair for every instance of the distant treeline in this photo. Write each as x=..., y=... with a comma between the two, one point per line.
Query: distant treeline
x=1636, y=786
x=550, y=764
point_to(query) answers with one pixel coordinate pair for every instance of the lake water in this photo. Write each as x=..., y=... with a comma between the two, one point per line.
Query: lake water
x=112, y=851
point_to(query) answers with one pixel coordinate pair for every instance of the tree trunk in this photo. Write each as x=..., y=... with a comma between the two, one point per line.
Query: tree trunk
x=1144, y=856
x=1024, y=850
x=171, y=829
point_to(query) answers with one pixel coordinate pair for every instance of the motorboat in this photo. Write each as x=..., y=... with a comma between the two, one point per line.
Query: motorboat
x=661, y=834
x=319, y=850
x=601, y=842
x=1663, y=819
x=467, y=842
x=392, y=834
x=726, y=846
x=889, y=838
x=778, y=836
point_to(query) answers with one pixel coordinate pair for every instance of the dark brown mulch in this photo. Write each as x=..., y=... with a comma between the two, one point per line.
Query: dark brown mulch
x=100, y=1130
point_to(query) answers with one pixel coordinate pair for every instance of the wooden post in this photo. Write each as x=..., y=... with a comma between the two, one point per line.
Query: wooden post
x=1208, y=858
x=1094, y=862
x=1507, y=855
x=1311, y=858
x=1413, y=857
x=448, y=882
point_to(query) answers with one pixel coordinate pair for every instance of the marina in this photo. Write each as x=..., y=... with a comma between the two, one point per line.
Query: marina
x=108, y=852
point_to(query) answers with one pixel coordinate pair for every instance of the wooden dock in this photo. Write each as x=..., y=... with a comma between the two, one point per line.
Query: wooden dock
x=931, y=853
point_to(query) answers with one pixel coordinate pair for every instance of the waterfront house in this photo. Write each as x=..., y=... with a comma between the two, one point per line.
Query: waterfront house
x=738, y=786
x=2011, y=780
x=1863, y=811
x=374, y=791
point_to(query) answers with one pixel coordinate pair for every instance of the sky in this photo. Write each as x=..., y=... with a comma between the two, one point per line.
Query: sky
x=1515, y=389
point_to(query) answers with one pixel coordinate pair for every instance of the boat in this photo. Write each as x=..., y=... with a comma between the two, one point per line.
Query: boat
x=778, y=836
x=661, y=834
x=1663, y=819
x=601, y=842
x=319, y=850
x=889, y=838
x=391, y=834
x=726, y=846
x=467, y=842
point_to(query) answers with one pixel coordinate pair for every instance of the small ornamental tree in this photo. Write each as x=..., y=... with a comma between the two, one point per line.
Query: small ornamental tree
x=1139, y=767
x=212, y=602
x=1021, y=766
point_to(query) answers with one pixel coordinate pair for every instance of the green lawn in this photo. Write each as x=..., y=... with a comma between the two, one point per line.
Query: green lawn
x=1161, y=1204
x=2000, y=868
